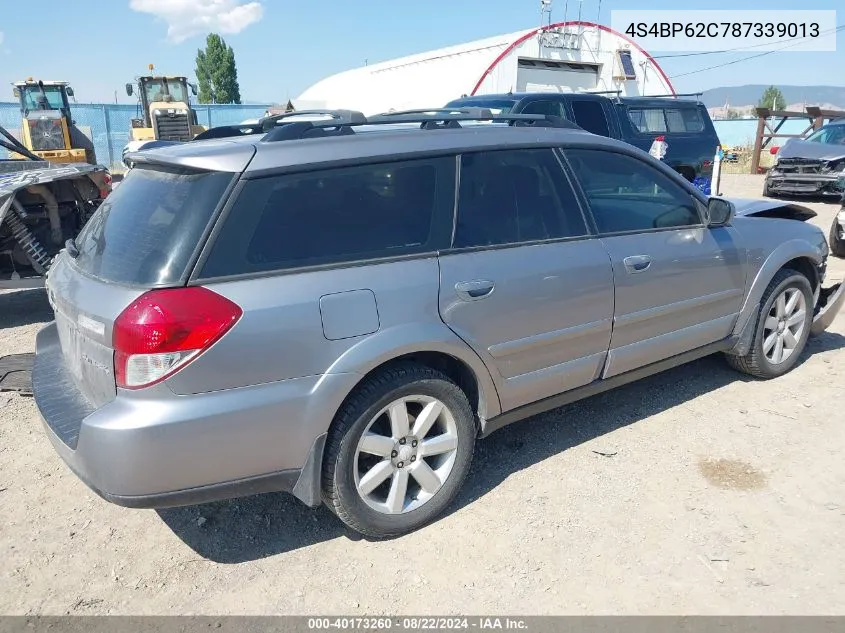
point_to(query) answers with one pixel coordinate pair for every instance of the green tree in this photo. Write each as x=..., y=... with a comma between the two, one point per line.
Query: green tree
x=217, y=74
x=772, y=98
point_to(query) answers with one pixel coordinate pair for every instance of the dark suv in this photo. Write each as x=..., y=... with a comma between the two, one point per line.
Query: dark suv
x=685, y=124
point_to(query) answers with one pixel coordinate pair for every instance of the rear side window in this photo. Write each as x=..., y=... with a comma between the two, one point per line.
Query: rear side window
x=508, y=197
x=336, y=215
x=590, y=116
x=647, y=120
x=684, y=120
x=146, y=231
x=673, y=120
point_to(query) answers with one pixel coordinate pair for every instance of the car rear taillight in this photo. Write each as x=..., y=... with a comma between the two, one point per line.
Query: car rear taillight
x=163, y=330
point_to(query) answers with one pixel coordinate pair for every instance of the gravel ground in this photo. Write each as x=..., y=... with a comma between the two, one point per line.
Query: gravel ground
x=691, y=492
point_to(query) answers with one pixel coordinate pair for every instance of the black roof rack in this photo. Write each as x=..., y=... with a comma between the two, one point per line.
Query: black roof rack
x=697, y=95
x=225, y=131
x=338, y=117
x=429, y=119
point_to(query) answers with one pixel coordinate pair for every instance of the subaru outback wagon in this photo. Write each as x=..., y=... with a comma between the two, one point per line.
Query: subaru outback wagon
x=340, y=309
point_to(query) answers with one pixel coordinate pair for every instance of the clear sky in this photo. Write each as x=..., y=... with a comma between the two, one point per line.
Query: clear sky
x=284, y=46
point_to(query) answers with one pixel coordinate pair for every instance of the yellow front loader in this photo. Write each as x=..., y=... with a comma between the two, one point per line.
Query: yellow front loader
x=166, y=113
x=47, y=128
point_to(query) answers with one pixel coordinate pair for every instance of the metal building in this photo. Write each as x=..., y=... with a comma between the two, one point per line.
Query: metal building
x=566, y=56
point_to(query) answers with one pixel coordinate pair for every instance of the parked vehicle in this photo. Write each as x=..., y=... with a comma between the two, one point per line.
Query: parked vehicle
x=41, y=206
x=837, y=227
x=47, y=127
x=809, y=166
x=339, y=309
x=684, y=124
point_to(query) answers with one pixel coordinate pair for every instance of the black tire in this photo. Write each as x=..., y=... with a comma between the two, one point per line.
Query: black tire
x=767, y=193
x=338, y=477
x=837, y=245
x=755, y=362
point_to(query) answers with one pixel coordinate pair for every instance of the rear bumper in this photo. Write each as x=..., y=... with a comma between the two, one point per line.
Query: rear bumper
x=830, y=303
x=152, y=448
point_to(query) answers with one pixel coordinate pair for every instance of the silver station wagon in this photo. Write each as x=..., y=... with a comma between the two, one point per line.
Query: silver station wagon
x=340, y=307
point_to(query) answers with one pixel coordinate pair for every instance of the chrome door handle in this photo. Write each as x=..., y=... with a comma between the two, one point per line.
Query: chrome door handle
x=637, y=263
x=474, y=290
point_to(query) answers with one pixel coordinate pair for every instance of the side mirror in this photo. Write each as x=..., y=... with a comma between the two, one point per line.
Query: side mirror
x=720, y=212
x=129, y=90
x=16, y=93
x=69, y=91
x=193, y=89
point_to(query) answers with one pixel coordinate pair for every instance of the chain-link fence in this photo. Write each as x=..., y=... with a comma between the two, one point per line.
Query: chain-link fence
x=108, y=124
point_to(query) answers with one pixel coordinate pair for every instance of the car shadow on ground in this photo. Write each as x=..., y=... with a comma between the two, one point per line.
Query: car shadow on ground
x=252, y=528
x=24, y=307
x=798, y=198
x=257, y=527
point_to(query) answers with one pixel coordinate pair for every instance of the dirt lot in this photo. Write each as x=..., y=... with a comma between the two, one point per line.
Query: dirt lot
x=691, y=492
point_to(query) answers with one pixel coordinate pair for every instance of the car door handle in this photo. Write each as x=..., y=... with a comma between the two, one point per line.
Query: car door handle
x=637, y=263
x=474, y=290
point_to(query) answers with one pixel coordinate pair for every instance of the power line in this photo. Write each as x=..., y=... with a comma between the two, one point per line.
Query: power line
x=737, y=61
x=741, y=48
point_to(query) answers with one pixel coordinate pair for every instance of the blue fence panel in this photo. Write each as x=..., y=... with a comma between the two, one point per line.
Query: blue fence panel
x=109, y=123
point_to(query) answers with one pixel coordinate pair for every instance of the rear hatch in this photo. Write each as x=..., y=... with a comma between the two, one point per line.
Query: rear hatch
x=145, y=235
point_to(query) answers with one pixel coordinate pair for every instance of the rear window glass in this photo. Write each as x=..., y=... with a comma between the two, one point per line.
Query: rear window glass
x=336, y=215
x=145, y=232
x=647, y=120
x=590, y=116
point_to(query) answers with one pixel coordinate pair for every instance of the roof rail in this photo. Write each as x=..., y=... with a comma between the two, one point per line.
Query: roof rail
x=445, y=118
x=602, y=92
x=697, y=95
x=471, y=110
x=225, y=131
x=338, y=117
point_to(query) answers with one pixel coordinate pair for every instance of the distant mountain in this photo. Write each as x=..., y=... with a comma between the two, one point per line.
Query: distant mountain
x=749, y=95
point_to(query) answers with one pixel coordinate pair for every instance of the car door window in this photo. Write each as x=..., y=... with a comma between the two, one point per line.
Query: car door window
x=337, y=215
x=627, y=194
x=509, y=197
x=590, y=116
x=546, y=107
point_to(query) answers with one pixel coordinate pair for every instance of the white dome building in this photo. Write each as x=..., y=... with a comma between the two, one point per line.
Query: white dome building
x=572, y=56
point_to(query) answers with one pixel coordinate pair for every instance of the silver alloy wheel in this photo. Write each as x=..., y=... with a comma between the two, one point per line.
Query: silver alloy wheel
x=405, y=454
x=784, y=325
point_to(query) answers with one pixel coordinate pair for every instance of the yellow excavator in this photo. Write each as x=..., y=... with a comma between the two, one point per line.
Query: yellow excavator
x=47, y=128
x=166, y=113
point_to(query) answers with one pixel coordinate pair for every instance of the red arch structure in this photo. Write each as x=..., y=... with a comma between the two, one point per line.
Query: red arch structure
x=530, y=34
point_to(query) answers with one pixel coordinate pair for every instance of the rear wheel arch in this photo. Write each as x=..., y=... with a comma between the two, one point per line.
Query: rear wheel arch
x=452, y=367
